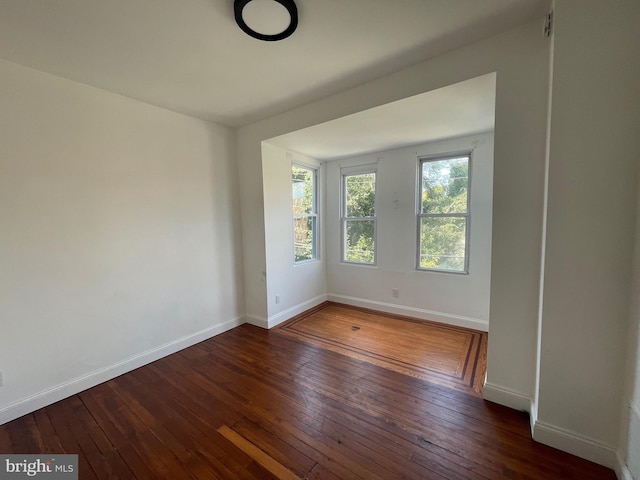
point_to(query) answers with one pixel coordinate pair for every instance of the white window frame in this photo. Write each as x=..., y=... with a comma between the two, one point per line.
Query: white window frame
x=314, y=214
x=344, y=173
x=466, y=215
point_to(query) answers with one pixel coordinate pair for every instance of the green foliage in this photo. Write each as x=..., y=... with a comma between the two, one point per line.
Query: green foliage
x=442, y=243
x=304, y=220
x=361, y=195
x=360, y=205
x=302, y=184
x=359, y=241
x=445, y=185
x=304, y=246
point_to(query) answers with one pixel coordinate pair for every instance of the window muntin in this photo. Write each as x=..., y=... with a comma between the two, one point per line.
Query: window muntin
x=305, y=213
x=443, y=214
x=359, y=218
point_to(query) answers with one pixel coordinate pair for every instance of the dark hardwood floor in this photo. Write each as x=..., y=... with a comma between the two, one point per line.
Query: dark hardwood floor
x=256, y=404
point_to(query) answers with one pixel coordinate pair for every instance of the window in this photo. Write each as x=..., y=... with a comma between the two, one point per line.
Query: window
x=359, y=217
x=443, y=214
x=305, y=213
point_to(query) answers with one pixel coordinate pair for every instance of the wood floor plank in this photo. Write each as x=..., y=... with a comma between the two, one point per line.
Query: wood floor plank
x=390, y=440
x=319, y=472
x=179, y=425
x=278, y=408
x=317, y=413
x=103, y=459
x=49, y=439
x=275, y=445
x=5, y=440
x=305, y=445
x=271, y=464
x=120, y=442
x=70, y=444
x=23, y=438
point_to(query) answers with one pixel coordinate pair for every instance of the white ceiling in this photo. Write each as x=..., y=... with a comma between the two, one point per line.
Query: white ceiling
x=190, y=57
x=462, y=109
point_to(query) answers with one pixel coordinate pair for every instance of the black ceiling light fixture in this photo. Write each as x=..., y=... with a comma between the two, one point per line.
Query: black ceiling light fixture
x=267, y=20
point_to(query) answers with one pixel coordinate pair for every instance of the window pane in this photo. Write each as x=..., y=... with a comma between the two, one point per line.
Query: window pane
x=303, y=189
x=360, y=193
x=359, y=246
x=442, y=243
x=444, y=185
x=303, y=238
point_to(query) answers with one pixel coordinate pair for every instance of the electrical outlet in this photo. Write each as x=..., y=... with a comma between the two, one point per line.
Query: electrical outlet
x=395, y=293
x=277, y=299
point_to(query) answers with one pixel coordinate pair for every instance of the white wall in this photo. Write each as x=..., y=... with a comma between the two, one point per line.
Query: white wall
x=592, y=197
x=629, y=450
x=629, y=445
x=300, y=286
x=450, y=298
x=119, y=237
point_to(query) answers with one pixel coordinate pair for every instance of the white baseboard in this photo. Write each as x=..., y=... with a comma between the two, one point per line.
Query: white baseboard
x=446, y=318
x=79, y=384
x=291, y=312
x=507, y=397
x=628, y=467
x=622, y=471
x=257, y=321
x=575, y=444
x=556, y=437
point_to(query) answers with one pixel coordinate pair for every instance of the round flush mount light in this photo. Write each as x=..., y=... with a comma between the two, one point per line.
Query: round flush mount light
x=268, y=20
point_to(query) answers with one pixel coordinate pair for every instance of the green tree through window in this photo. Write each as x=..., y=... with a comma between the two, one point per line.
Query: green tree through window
x=443, y=216
x=305, y=215
x=359, y=218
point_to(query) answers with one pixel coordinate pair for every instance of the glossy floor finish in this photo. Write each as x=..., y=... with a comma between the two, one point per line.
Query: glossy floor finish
x=257, y=404
x=451, y=356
